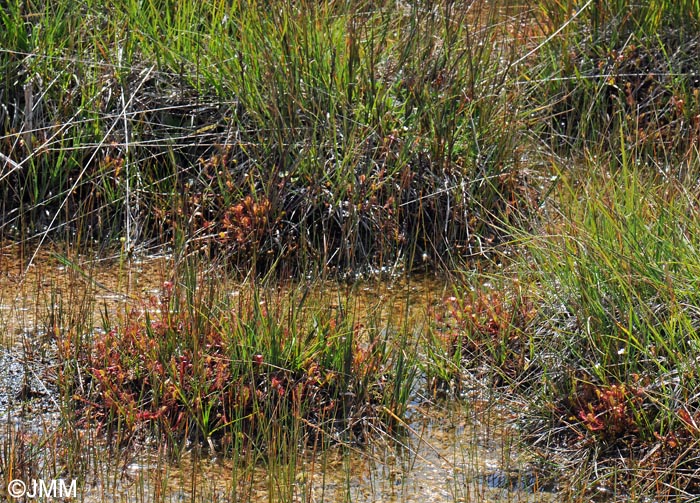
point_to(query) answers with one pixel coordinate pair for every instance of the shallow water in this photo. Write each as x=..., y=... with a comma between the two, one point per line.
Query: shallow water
x=36, y=289
x=464, y=452
x=450, y=455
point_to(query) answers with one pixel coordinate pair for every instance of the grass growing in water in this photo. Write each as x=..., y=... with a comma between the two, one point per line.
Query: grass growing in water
x=246, y=373
x=328, y=136
x=595, y=325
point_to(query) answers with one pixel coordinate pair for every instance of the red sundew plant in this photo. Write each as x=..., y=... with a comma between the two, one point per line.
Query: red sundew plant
x=691, y=422
x=187, y=374
x=246, y=221
x=607, y=411
x=488, y=326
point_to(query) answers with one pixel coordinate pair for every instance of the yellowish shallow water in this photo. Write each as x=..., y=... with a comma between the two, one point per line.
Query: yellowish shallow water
x=445, y=455
x=447, y=458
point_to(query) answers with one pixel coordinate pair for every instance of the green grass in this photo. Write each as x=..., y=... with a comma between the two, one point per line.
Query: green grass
x=557, y=141
x=594, y=323
x=618, y=274
x=612, y=65
x=257, y=372
x=323, y=136
x=274, y=380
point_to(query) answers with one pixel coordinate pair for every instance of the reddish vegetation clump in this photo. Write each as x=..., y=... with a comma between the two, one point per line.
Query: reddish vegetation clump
x=185, y=375
x=246, y=221
x=488, y=326
x=608, y=411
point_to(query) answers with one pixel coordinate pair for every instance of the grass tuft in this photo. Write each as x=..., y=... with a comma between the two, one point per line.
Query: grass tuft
x=251, y=373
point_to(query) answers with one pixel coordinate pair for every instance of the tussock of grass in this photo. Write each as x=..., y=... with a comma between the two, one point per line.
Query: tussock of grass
x=253, y=373
x=619, y=64
x=619, y=276
x=595, y=325
x=325, y=136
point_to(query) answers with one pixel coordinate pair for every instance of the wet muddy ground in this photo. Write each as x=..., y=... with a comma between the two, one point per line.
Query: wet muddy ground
x=28, y=393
